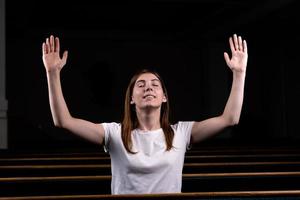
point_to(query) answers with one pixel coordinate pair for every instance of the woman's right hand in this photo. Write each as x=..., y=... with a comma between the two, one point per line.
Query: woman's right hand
x=51, y=57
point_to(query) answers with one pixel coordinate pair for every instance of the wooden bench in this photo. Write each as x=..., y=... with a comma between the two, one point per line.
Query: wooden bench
x=173, y=196
x=188, y=159
x=105, y=169
x=201, y=182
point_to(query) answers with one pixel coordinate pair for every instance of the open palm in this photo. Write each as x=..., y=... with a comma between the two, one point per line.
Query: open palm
x=51, y=57
x=238, y=61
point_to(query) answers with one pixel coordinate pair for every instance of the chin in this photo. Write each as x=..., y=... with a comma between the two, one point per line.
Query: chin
x=151, y=106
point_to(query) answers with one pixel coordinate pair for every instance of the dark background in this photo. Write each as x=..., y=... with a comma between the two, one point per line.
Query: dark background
x=183, y=40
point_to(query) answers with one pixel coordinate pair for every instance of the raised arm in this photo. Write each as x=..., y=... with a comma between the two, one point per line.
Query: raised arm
x=231, y=114
x=61, y=116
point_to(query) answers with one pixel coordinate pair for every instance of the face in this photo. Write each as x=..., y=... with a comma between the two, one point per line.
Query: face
x=148, y=92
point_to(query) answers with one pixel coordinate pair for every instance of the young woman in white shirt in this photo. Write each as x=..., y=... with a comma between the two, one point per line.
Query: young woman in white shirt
x=147, y=152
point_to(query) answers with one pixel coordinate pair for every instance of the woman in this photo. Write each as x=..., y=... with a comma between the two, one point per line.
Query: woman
x=147, y=152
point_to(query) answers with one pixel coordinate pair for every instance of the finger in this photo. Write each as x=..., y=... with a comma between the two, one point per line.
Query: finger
x=227, y=59
x=44, y=49
x=245, y=46
x=235, y=40
x=240, y=43
x=51, y=43
x=57, y=45
x=47, y=45
x=231, y=44
x=64, y=58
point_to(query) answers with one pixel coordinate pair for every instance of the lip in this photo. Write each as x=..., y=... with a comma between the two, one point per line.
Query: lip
x=149, y=95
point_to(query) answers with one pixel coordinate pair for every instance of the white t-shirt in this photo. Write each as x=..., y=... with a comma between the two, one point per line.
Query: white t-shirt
x=152, y=169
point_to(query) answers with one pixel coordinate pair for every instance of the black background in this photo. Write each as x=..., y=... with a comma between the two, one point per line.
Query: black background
x=183, y=40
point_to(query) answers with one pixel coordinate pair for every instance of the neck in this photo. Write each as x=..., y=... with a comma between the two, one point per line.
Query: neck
x=149, y=119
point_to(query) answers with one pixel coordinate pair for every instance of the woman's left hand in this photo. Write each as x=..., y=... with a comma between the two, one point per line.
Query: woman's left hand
x=238, y=61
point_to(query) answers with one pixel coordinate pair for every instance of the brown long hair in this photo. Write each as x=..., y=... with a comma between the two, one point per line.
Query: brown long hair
x=130, y=120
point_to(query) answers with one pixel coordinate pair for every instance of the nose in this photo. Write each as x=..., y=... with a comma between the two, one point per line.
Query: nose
x=148, y=87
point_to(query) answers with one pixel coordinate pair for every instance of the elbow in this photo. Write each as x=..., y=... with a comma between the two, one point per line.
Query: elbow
x=60, y=123
x=234, y=121
x=231, y=120
x=65, y=122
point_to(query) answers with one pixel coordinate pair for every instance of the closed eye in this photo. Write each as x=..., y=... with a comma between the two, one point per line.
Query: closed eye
x=155, y=83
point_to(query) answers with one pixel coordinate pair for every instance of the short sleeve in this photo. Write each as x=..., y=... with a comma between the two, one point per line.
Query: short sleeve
x=109, y=129
x=185, y=127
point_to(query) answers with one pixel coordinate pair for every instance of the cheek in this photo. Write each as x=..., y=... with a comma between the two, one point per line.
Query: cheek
x=136, y=93
x=160, y=92
x=161, y=95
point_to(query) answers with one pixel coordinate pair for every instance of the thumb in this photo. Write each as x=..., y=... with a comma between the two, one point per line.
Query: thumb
x=64, y=58
x=227, y=59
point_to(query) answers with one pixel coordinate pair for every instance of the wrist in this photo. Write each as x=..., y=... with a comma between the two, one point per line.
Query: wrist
x=239, y=73
x=53, y=72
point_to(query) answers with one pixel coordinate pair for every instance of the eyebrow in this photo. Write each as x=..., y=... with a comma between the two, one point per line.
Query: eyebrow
x=142, y=80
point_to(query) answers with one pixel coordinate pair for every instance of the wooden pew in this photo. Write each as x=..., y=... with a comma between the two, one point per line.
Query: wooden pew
x=188, y=159
x=201, y=182
x=208, y=150
x=173, y=196
x=105, y=169
x=205, y=171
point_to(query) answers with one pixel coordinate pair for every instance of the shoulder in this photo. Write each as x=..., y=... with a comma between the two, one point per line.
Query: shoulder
x=183, y=126
x=107, y=125
x=183, y=130
x=112, y=132
x=111, y=127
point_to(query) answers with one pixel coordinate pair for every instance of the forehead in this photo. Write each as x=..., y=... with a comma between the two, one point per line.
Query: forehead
x=147, y=77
